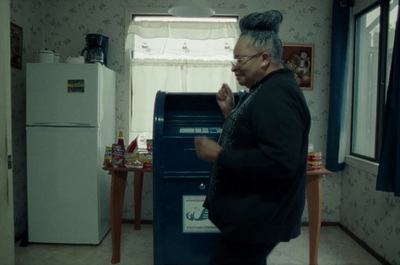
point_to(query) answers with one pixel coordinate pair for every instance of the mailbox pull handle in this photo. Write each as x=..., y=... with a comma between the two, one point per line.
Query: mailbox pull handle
x=190, y=149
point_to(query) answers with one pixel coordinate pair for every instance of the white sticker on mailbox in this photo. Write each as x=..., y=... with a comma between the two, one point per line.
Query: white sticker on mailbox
x=195, y=216
x=204, y=130
x=186, y=130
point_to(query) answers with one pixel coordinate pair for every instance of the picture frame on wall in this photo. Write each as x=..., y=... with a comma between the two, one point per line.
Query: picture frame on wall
x=300, y=59
x=16, y=46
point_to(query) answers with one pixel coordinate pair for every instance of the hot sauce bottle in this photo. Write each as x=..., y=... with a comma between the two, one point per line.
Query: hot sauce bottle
x=121, y=139
x=118, y=151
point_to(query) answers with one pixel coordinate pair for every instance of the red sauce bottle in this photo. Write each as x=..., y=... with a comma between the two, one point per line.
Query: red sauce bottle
x=121, y=140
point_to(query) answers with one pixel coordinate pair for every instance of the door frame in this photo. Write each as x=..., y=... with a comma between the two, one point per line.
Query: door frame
x=7, y=246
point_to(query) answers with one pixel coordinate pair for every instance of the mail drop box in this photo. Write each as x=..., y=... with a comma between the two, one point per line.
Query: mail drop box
x=183, y=234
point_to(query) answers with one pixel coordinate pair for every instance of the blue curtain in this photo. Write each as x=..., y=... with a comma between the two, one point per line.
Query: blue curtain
x=339, y=53
x=389, y=165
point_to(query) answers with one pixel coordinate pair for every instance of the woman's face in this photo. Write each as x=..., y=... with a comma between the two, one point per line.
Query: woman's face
x=248, y=66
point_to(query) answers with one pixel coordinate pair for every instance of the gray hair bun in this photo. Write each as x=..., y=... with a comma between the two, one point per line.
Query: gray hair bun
x=267, y=21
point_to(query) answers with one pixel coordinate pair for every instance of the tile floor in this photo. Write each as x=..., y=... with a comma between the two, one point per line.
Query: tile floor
x=336, y=248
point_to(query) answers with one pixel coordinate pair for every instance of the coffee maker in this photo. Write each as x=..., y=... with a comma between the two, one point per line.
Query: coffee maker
x=96, y=49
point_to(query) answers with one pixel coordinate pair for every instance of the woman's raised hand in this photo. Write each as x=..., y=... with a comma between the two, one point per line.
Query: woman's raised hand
x=225, y=99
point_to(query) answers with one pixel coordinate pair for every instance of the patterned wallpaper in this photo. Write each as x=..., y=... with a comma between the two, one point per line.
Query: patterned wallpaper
x=62, y=25
x=373, y=216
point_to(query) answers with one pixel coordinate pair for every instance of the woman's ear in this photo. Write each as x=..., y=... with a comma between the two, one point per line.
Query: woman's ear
x=266, y=59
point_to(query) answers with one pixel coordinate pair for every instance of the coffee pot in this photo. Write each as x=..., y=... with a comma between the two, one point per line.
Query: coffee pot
x=96, y=49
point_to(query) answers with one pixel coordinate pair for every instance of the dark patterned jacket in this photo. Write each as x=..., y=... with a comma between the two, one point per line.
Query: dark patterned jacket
x=257, y=186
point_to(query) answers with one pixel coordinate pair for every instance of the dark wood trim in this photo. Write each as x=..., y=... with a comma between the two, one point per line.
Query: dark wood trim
x=363, y=245
x=132, y=221
x=20, y=236
x=356, y=239
x=345, y=229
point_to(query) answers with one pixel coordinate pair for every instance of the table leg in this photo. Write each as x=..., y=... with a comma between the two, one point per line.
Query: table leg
x=118, y=185
x=138, y=187
x=314, y=202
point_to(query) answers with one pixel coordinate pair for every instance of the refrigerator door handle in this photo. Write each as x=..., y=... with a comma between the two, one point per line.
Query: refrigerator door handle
x=55, y=124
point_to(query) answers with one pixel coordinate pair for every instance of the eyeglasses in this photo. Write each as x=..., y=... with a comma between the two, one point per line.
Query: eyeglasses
x=238, y=62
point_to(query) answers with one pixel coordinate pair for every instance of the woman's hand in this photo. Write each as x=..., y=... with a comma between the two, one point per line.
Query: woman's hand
x=207, y=149
x=225, y=100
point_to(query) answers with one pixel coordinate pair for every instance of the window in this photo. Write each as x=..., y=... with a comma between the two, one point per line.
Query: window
x=177, y=56
x=373, y=45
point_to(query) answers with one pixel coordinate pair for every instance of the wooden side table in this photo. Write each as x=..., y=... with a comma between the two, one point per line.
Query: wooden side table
x=314, y=203
x=118, y=185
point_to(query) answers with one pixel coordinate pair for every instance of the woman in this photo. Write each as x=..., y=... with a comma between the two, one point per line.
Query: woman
x=257, y=184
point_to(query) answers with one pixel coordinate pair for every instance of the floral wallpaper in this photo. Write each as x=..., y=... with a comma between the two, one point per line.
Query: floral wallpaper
x=62, y=26
x=373, y=216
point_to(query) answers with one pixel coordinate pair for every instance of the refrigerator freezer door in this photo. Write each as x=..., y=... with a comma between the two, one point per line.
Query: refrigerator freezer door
x=65, y=94
x=66, y=186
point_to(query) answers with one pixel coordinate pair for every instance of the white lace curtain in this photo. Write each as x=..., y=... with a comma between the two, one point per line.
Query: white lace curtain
x=176, y=57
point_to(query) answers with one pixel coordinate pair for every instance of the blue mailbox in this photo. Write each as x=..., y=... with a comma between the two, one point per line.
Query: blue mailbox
x=182, y=232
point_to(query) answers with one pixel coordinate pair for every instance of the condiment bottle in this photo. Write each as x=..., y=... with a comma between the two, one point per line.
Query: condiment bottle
x=121, y=140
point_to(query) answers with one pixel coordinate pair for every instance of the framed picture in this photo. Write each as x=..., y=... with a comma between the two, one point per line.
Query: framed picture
x=16, y=46
x=300, y=59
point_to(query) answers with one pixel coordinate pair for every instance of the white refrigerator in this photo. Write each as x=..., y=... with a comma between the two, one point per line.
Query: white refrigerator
x=70, y=120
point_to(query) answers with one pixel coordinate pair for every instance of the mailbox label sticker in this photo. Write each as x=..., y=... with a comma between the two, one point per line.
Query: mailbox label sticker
x=195, y=216
x=204, y=130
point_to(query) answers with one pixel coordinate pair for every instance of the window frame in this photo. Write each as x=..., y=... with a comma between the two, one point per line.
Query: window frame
x=132, y=10
x=234, y=17
x=130, y=55
x=381, y=85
